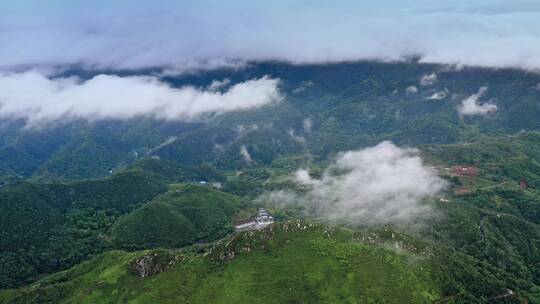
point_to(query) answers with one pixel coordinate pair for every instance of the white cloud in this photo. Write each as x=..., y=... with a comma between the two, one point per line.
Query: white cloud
x=378, y=185
x=303, y=86
x=472, y=106
x=439, y=95
x=245, y=154
x=428, y=80
x=307, y=124
x=182, y=35
x=219, y=84
x=169, y=141
x=411, y=90
x=242, y=130
x=39, y=99
x=298, y=138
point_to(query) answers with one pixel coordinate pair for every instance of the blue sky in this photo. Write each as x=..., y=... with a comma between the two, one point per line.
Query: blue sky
x=180, y=35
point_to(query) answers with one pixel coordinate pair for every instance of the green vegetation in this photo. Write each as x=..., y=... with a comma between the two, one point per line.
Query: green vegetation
x=183, y=215
x=349, y=105
x=483, y=242
x=77, y=192
x=43, y=225
x=353, y=105
x=49, y=227
x=278, y=265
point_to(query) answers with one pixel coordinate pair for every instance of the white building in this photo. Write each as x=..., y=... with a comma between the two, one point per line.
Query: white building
x=262, y=219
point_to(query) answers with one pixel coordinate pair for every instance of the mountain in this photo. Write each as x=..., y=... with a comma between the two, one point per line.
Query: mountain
x=90, y=206
x=482, y=246
x=181, y=216
x=291, y=262
x=47, y=227
x=326, y=108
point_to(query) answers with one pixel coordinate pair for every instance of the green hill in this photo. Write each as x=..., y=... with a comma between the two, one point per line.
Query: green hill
x=181, y=216
x=42, y=225
x=46, y=227
x=173, y=172
x=289, y=263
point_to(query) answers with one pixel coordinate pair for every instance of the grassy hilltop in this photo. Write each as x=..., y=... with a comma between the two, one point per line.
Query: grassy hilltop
x=288, y=263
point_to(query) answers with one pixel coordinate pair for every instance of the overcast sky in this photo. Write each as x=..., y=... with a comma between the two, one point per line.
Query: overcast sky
x=38, y=37
x=185, y=34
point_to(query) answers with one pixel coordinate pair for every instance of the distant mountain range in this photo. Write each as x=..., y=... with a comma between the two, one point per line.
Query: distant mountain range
x=346, y=106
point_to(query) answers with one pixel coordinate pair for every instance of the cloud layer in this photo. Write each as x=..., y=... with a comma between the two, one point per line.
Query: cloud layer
x=384, y=184
x=193, y=34
x=38, y=99
x=472, y=106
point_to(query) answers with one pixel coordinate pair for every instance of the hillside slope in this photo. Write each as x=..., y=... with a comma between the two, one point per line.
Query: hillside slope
x=289, y=263
x=177, y=218
x=46, y=227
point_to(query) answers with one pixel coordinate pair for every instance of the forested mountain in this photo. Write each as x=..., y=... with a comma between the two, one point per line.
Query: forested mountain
x=94, y=199
x=50, y=226
x=325, y=109
x=270, y=152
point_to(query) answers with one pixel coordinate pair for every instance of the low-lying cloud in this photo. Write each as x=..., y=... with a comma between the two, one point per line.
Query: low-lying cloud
x=181, y=35
x=307, y=124
x=298, y=138
x=245, y=154
x=411, y=90
x=384, y=184
x=439, y=95
x=38, y=99
x=429, y=79
x=472, y=105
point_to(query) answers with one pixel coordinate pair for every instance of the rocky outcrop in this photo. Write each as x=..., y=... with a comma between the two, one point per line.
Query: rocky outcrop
x=228, y=256
x=154, y=263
